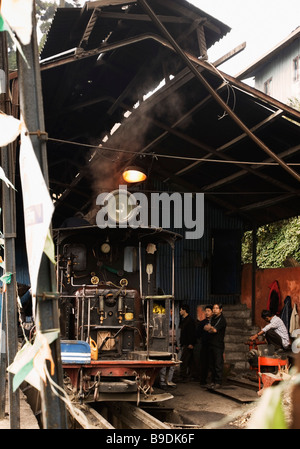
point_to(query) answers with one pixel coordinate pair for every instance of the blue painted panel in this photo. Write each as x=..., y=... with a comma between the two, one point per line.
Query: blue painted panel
x=75, y=351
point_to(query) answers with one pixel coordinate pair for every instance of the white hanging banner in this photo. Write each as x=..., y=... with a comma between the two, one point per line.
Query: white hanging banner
x=38, y=209
x=10, y=128
x=5, y=179
x=18, y=14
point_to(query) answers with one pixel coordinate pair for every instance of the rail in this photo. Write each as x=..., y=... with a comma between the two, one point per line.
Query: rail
x=116, y=415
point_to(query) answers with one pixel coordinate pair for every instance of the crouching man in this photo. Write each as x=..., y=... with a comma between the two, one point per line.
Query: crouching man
x=275, y=331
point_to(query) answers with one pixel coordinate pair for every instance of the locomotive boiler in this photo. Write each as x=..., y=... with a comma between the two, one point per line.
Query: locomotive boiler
x=113, y=341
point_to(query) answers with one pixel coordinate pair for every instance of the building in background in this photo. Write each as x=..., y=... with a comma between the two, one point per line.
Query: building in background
x=277, y=73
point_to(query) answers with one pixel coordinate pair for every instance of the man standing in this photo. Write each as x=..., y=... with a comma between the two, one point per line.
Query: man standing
x=275, y=331
x=187, y=341
x=203, y=336
x=216, y=330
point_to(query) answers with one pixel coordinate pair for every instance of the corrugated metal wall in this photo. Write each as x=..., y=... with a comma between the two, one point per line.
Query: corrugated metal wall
x=22, y=273
x=193, y=262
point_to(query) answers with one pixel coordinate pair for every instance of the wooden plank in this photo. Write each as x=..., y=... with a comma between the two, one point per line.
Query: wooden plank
x=230, y=54
x=236, y=393
x=102, y=3
x=88, y=418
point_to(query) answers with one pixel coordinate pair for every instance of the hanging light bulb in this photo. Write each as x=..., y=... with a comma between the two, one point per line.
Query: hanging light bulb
x=134, y=174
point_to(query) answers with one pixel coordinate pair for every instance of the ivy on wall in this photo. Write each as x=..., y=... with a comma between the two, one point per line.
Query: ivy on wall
x=278, y=244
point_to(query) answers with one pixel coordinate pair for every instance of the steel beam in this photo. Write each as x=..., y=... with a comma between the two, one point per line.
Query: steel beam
x=9, y=230
x=31, y=106
x=215, y=95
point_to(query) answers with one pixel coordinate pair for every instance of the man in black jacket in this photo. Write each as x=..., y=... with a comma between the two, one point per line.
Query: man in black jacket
x=216, y=330
x=204, y=337
x=187, y=341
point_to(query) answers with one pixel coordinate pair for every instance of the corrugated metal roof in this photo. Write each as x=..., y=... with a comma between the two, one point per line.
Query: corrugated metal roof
x=70, y=24
x=181, y=131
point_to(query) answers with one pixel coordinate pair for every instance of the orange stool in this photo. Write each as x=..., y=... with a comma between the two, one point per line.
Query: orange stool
x=254, y=344
x=269, y=361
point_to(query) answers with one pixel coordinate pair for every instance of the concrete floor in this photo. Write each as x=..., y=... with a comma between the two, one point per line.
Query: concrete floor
x=197, y=407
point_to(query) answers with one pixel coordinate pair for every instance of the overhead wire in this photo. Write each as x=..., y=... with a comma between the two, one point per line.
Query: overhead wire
x=167, y=156
x=229, y=88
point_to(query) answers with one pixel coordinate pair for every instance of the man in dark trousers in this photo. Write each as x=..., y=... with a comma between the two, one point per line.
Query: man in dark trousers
x=216, y=330
x=204, y=336
x=187, y=341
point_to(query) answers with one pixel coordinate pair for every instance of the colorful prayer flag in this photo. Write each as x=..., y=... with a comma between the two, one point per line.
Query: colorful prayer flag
x=38, y=209
x=49, y=248
x=10, y=128
x=2, y=24
x=29, y=362
x=6, y=278
x=5, y=179
x=18, y=15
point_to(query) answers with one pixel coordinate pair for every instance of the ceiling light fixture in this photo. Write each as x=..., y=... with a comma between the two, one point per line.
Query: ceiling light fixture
x=134, y=174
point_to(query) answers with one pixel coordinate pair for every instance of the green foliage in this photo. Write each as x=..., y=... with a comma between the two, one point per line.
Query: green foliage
x=275, y=242
x=45, y=12
x=294, y=103
x=12, y=56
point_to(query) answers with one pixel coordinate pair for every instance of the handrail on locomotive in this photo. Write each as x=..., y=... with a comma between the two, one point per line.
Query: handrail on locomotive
x=101, y=277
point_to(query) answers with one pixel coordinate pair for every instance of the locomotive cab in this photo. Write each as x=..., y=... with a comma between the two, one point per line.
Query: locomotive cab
x=113, y=340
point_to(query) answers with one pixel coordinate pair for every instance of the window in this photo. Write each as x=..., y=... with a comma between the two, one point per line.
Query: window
x=267, y=86
x=296, y=67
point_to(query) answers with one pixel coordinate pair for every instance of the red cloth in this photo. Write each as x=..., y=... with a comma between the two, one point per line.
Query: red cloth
x=274, y=299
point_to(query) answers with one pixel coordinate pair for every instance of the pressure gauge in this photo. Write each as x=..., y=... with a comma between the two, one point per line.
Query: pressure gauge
x=105, y=248
x=95, y=280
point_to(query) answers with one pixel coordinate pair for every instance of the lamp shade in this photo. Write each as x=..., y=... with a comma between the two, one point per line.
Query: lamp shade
x=134, y=174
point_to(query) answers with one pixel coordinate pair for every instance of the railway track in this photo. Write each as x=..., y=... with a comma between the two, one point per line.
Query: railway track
x=117, y=415
x=101, y=415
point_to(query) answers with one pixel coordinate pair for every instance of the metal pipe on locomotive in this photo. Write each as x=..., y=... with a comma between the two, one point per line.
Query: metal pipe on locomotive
x=113, y=344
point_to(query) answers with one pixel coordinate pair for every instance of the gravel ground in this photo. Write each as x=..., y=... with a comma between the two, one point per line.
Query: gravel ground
x=197, y=407
x=27, y=418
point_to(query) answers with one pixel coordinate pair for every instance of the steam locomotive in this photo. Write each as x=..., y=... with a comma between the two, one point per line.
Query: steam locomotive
x=113, y=340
